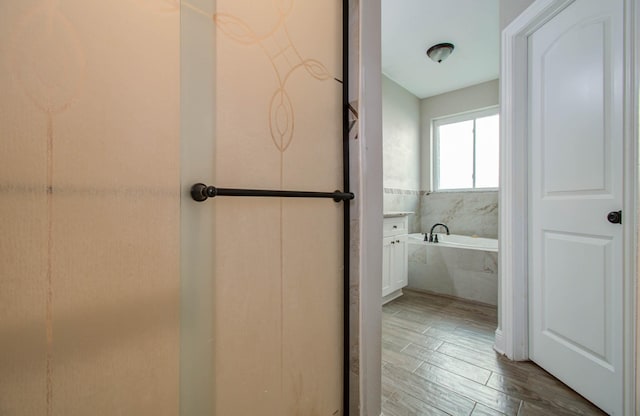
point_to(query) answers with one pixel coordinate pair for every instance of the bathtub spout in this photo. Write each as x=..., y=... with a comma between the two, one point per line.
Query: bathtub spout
x=431, y=239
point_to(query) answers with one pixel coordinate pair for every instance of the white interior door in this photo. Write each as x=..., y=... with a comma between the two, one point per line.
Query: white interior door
x=576, y=179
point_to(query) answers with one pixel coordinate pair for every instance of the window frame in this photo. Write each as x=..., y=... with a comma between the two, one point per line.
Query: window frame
x=435, y=143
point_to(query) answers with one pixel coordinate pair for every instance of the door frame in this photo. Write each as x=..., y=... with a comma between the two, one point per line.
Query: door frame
x=512, y=335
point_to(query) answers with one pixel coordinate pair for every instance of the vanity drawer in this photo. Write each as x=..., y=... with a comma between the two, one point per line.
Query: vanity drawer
x=394, y=226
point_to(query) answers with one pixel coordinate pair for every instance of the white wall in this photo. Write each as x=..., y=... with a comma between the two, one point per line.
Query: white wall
x=401, y=136
x=454, y=102
x=401, y=150
x=510, y=9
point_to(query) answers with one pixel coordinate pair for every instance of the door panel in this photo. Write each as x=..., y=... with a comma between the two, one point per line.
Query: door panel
x=575, y=83
x=575, y=259
x=561, y=278
x=278, y=262
x=387, y=263
x=89, y=208
x=400, y=261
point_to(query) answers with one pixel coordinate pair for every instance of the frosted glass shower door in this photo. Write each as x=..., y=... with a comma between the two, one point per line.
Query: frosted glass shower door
x=89, y=207
x=276, y=99
x=118, y=294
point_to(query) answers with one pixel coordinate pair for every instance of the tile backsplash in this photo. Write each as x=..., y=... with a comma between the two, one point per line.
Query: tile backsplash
x=404, y=200
x=465, y=213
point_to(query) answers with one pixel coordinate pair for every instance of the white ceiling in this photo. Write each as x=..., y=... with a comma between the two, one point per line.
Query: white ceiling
x=410, y=27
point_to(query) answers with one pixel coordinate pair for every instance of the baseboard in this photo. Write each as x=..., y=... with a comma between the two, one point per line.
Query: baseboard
x=445, y=295
x=499, y=343
x=391, y=296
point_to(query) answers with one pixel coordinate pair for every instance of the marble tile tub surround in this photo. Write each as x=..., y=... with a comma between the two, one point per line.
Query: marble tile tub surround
x=465, y=274
x=465, y=213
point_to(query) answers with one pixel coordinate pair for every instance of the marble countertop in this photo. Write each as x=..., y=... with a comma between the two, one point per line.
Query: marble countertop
x=397, y=213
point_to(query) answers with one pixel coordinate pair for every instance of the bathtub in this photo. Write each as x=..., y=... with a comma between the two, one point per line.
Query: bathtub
x=460, y=241
x=461, y=266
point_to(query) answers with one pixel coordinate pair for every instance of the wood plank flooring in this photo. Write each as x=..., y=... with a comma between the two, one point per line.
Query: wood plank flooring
x=438, y=359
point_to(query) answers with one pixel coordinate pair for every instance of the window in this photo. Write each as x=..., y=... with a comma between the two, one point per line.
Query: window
x=466, y=151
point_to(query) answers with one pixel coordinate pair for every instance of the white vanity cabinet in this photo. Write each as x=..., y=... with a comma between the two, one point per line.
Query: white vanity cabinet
x=394, y=256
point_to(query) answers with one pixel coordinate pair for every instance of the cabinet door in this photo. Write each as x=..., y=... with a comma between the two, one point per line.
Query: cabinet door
x=399, y=254
x=388, y=245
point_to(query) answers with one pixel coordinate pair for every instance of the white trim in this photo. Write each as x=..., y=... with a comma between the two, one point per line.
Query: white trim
x=462, y=113
x=512, y=333
x=472, y=190
x=632, y=388
x=513, y=323
x=467, y=115
x=631, y=136
x=370, y=141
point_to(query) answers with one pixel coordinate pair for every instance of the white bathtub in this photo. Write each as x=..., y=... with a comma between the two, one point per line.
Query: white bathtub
x=461, y=266
x=460, y=241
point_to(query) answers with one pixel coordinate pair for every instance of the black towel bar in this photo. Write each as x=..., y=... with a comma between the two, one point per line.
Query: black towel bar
x=201, y=192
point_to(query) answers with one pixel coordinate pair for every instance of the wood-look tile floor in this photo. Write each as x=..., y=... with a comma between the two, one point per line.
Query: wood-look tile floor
x=438, y=359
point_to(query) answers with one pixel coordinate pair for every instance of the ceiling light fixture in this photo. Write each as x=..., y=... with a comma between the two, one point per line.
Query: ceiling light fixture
x=440, y=52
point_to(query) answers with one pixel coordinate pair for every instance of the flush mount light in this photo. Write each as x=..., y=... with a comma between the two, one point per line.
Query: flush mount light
x=440, y=52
